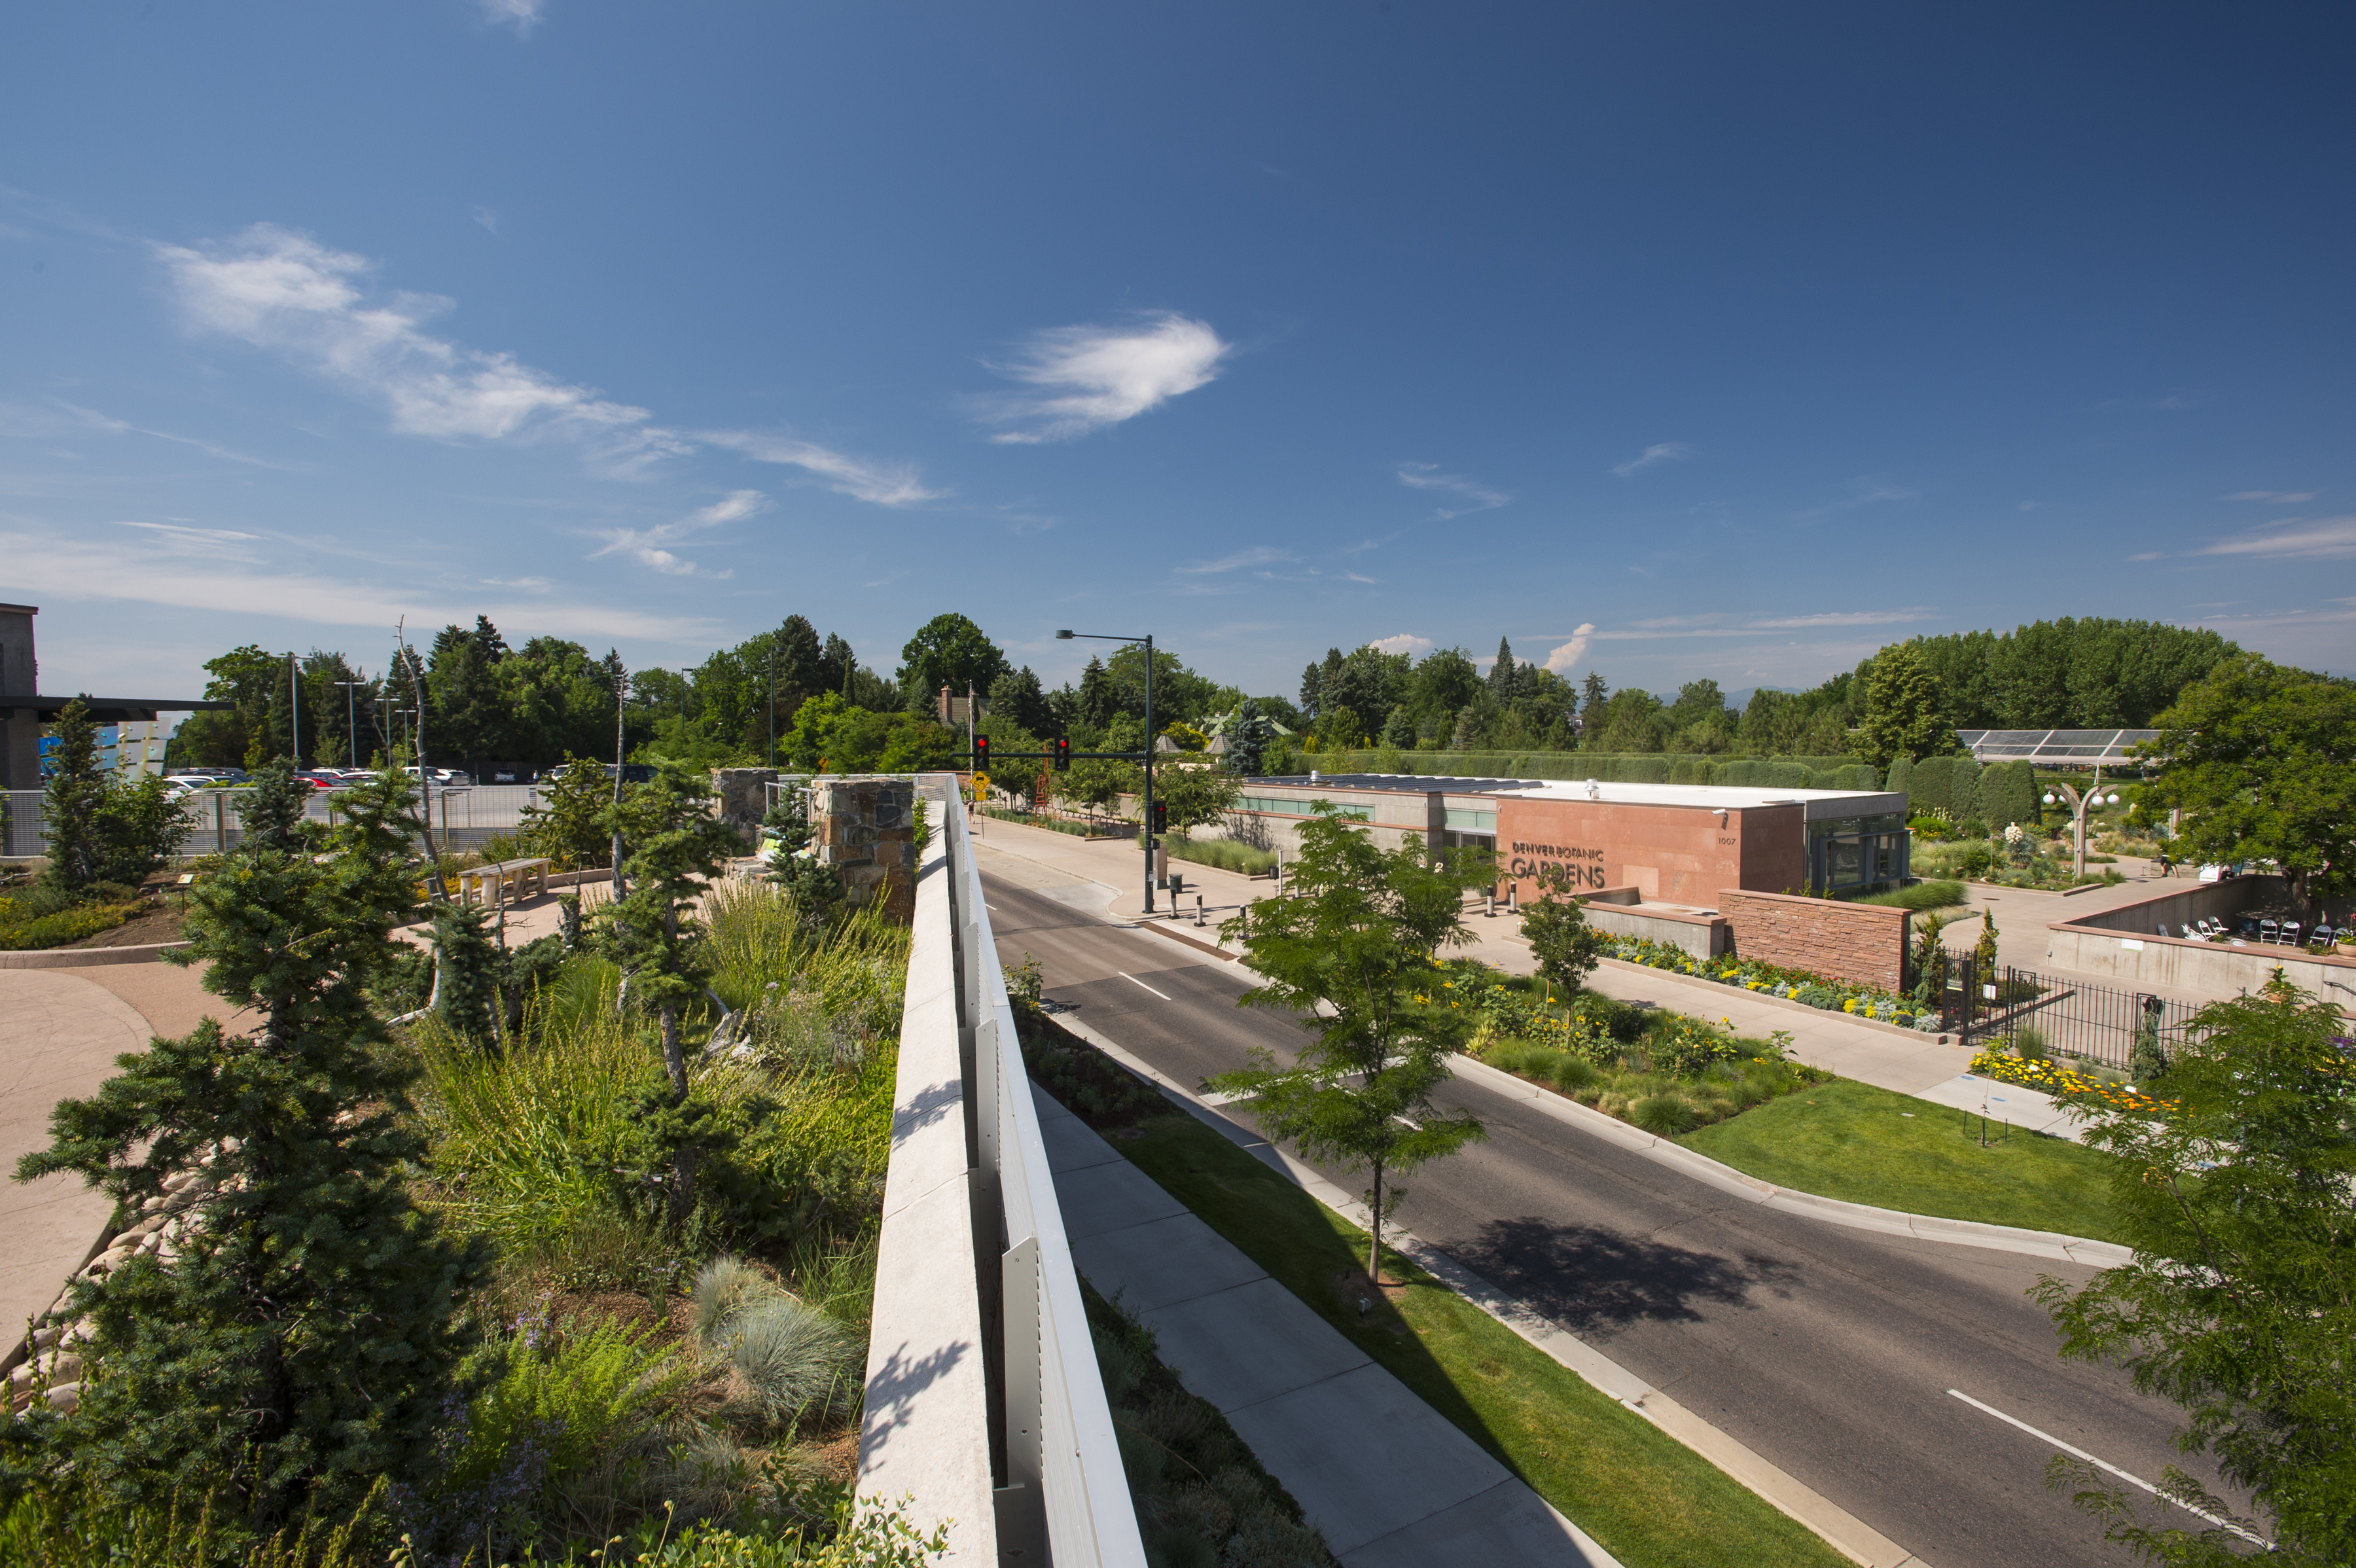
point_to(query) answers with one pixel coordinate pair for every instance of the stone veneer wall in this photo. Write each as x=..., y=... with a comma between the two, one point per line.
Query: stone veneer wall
x=1864, y=944
x=866, y=830
x=744, y=797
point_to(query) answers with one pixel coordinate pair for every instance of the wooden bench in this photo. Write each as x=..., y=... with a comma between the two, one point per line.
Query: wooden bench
x=491, y=884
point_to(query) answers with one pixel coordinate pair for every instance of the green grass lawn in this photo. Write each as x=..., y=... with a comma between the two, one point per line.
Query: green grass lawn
x=1650, y=1500
x=1852, y=1141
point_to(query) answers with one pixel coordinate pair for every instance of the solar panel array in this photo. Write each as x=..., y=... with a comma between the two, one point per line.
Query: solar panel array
x=2071, y=745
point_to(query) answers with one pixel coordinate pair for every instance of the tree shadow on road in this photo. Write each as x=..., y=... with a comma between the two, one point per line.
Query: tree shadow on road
x=1592, y=1281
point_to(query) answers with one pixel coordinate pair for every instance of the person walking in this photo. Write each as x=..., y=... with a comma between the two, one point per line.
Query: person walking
x=2166, y=869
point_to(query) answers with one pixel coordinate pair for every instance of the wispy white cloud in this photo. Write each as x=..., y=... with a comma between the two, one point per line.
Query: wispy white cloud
x=1658, y=628
x=885, y=484
x=40, y=424
x=1565, y=657
x=2310, y=539
x=1842, y=617
x=2280, y=498
x=211, y=448
x=1090, y=377
x=523, y=16
x=286, y=293
x=1868, y=492
x=1405, y=642
x=644, y=545
x=1475, y=495
x=1257, y=555
x=210, y=570
x=1661, y=451
x=489, y=218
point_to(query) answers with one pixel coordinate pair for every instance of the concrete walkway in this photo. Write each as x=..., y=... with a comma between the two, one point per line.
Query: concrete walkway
x=1381, y=1472
x=61, y=1032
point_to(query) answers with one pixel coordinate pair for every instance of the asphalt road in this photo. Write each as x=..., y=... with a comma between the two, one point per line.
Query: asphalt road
x=1828, y=1351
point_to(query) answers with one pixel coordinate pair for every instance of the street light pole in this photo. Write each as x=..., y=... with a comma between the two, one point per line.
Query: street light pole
x=1148, y=834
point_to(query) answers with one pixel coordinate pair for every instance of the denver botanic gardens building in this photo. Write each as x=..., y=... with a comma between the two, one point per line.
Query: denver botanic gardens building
x=1669, y=843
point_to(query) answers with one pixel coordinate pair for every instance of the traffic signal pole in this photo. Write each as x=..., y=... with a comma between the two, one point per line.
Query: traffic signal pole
x=1147, y=834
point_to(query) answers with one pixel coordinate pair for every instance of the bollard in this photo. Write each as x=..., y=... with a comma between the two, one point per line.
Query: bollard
x=1491, y=912
x=1513, y=897
x=1198, y=912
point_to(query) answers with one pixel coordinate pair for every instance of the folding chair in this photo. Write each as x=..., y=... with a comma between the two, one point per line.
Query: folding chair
x=2269, y=931
x=2186, y=930
x=2289, y=933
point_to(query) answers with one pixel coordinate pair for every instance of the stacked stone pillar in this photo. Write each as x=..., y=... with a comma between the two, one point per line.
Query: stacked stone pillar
x=865, y=829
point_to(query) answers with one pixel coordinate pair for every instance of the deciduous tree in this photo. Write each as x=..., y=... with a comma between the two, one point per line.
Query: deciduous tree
x=2237, y=1191
x=2261, y=759
x=1354, y=955
x=1902, y=712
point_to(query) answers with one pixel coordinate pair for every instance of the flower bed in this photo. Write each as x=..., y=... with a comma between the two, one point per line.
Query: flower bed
x=2064, y=1083
x=1798, y=985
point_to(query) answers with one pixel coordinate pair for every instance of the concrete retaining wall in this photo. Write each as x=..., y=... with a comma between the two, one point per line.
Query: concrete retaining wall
x=1864, y=944
x=1703, y=936
x=2126, y=944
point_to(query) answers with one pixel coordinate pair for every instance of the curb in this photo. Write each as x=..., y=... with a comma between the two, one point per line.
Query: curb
x=1749, y=1188
x=1841, y=1530
x=86, y=958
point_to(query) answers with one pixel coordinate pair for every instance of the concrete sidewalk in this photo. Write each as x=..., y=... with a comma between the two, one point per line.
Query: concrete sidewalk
x=1387, y=1480
x=61, y=1032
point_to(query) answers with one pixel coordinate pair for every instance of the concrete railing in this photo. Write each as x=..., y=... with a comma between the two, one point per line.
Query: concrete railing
x=984, y=1405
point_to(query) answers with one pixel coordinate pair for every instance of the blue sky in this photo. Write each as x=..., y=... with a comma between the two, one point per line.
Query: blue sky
x=1669, y=341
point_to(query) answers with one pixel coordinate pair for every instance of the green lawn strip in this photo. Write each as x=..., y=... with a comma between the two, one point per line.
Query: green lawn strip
x=1649, y=1500
x=1853, y=1141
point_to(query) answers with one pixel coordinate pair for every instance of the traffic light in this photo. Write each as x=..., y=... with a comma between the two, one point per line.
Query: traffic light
x=980, y=752
x=1060, y=753
x=1160, y=817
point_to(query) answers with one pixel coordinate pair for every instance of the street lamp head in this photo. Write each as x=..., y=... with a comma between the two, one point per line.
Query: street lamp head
x=2111, y=800
x=1064, y=635
x=2048, y=798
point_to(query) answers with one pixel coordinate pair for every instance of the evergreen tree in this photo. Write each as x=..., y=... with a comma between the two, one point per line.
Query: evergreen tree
x=101, y=830
x=1096, y=706
x=675, y=848
x=72, y=799
x=1352, y=955
x=1502, y=683
x=1901, y=775
x=466, y=974
x=1248, y=738
x=1593, y=694
x=302, y=1343
x=1901, y=709
x=272, y=810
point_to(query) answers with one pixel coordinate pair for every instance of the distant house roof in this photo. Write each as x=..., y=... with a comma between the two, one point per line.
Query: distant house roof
x=2080, y=747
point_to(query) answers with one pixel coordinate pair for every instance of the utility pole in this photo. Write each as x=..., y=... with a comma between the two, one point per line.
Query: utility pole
x=771, y=760
x=621, y=695
x=295, y=702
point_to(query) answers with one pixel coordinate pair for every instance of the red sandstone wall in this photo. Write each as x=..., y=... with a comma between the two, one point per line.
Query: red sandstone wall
x=1677, y=855
x=1864, y=944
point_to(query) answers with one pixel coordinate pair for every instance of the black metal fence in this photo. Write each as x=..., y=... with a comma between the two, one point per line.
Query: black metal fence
x=2005, y=1008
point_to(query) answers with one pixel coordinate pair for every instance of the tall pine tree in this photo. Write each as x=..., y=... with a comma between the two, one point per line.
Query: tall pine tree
x=302, y=1342
x=675, y=847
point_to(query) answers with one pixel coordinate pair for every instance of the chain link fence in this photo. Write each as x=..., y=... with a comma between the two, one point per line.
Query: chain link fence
x=462, y=818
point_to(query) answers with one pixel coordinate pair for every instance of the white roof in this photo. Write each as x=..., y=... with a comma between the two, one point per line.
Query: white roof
x=1820, y=803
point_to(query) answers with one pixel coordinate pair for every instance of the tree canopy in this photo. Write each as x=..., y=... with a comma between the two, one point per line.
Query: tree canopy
x=2261, y=759
x=2237, y=1190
